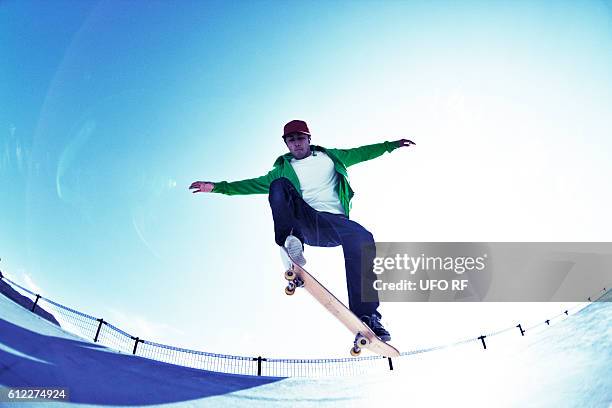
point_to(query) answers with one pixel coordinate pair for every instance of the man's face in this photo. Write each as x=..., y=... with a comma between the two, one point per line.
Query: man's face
x=298, y=144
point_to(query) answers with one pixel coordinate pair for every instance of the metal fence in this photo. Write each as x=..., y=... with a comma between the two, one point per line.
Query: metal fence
x=102, y=332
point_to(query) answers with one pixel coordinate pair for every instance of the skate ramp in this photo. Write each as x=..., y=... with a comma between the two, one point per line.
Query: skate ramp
x=12, y=294
x=566, y=364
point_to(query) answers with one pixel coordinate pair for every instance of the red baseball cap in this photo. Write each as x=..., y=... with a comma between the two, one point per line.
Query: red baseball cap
x=296, y=126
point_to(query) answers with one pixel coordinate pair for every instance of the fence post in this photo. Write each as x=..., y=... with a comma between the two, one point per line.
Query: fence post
x=259, y=360
x=35, y=302
x=99, y=328
x=481, y=338
x=137, y=340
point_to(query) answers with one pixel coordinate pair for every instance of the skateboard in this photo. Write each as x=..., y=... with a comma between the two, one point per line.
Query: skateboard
x=298, y=277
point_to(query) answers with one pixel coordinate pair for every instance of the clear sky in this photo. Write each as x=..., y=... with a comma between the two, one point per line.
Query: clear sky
x=110, y=109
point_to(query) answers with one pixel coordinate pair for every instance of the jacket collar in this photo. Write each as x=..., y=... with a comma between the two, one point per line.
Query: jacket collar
x=288, y=156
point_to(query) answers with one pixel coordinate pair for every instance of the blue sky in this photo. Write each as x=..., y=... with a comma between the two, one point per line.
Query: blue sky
x=111, y=109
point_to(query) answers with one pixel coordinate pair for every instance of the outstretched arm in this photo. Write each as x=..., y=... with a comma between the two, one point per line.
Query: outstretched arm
x=369, y=152
x=259, y=185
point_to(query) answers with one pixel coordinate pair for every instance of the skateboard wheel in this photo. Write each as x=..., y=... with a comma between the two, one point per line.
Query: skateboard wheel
x=355, y=351
x=289, y=291
x=290, y=275
x=361, y=341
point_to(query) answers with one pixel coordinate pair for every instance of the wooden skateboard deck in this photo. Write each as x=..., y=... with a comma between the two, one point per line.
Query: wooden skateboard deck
x=299, y=277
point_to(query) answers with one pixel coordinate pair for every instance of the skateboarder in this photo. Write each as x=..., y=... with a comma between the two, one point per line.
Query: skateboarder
x=310, y=196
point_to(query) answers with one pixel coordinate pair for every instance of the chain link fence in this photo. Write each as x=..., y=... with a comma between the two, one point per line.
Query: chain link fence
x=102, y=332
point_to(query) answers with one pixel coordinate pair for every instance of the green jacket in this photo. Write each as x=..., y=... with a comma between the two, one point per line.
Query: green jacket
x=342, y=159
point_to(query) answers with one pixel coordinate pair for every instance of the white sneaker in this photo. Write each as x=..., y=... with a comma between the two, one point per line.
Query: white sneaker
x=295, y=249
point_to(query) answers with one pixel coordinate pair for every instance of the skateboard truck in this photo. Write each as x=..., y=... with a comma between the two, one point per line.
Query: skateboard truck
x=293, y=282
x=360, y=341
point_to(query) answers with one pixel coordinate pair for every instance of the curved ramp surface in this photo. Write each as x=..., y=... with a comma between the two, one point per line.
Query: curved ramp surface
x=568, y=364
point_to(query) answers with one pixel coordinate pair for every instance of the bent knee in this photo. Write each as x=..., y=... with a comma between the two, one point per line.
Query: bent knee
x=280, y=183
x=367, y=237
x=278, y=189
x=363, y=237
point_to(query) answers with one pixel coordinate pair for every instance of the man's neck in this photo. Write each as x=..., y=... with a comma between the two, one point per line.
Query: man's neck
x=305, y=157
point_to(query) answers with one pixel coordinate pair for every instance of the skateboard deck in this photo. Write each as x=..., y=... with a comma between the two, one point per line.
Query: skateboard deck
x=364, y=336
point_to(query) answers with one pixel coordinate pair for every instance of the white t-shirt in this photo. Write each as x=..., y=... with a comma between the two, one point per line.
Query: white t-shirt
x=318, y=181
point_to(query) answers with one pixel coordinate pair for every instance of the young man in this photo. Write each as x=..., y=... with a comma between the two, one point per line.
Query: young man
x=310, y=196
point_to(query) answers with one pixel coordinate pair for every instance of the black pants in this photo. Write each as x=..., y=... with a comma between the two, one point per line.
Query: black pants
x=316, y=228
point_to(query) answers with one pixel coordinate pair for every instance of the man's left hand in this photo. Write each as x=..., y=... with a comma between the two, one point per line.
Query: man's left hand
x=405, y=142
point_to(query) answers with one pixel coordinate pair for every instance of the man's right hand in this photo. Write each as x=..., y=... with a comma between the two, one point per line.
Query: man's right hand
x=202, y=186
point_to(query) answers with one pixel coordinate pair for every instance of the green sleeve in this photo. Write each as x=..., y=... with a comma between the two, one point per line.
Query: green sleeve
x=259, y=185
x=363, y=153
